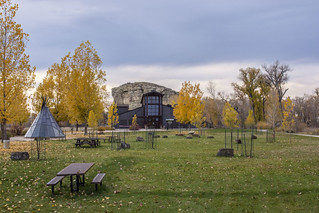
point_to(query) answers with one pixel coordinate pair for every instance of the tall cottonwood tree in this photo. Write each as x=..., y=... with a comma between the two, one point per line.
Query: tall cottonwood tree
x=250, y=78
x=16, y=75
x=277, y=77
x=86, y=89
x=256, y=88
x=189, y=106
x=264, y=89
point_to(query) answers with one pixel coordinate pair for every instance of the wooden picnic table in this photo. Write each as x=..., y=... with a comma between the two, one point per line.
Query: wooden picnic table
x=93, y=142
x=78, y=170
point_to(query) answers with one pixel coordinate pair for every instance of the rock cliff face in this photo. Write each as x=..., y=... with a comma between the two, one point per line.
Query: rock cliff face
x=132, y=93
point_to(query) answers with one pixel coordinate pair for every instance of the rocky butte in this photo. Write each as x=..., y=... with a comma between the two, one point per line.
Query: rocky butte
x=132, y=93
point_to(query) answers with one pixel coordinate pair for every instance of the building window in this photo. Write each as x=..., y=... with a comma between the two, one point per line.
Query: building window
x=153, y=110
x=153, y=100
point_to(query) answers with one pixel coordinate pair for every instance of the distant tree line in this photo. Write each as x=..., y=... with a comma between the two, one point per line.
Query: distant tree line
x=259, y=100
x=76, y=91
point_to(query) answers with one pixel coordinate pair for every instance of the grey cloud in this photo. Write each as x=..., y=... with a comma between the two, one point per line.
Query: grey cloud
x=172, y=32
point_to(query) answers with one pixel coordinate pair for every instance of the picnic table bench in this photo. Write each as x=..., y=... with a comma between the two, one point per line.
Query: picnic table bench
x=98, y=179
x=55, y=181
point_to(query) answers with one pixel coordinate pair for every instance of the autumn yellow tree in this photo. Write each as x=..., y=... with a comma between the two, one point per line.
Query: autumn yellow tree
x=59, y=75
x=134, y=125
x=288, y=121
x=86, y=89
x=92, y=121
x=250, y=121
x=198, y=119
x=189, y=106
x=230, y=116
x=20, y=113
x=16, y=75
x=113, y=118
x=55, y=87
x=44, y=89
x=75, y=86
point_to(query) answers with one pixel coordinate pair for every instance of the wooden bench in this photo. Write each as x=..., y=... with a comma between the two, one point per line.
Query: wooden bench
x=98, y=179
x=55, y=181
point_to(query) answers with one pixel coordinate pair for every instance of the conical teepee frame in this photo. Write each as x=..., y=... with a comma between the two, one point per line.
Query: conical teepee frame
x=44, y=126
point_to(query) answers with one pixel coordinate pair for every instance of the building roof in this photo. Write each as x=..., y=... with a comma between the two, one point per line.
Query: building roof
x=152, y=93
x=122, y=105
x=44, y=125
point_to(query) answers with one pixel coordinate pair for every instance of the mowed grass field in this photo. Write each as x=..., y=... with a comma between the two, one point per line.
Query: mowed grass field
x=180, y=175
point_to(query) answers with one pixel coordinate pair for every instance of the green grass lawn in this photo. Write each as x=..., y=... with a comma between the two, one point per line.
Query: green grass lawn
x=180, y=175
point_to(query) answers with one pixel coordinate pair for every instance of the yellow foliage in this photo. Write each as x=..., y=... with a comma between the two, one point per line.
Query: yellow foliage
x=45, y=89
x=16, y=75
x=250, y=121
x=198, y=118
x=113, y=118
x=230, y=116
x=288, y=121
x=86, y=88
x=189, y=107
x=134, y=125
x=92, y=121
x=75, y=86
x=134, y=120
x=15, y=146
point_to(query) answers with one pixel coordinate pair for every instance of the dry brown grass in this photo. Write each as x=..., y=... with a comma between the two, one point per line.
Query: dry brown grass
x=15, y=146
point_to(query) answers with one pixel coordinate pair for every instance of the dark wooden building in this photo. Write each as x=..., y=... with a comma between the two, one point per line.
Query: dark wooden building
x=152, y=113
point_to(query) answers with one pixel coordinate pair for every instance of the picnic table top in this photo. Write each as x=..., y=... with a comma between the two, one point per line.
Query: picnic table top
x=75, y=169
x=89, y=138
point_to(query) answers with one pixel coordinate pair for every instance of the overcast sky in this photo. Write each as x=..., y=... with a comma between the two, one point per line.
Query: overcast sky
x=171, y=41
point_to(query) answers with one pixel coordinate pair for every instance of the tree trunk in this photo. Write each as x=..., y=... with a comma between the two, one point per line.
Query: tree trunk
x=3, y=131
x=85, y=129
x=20, y=129
x=77, y=127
